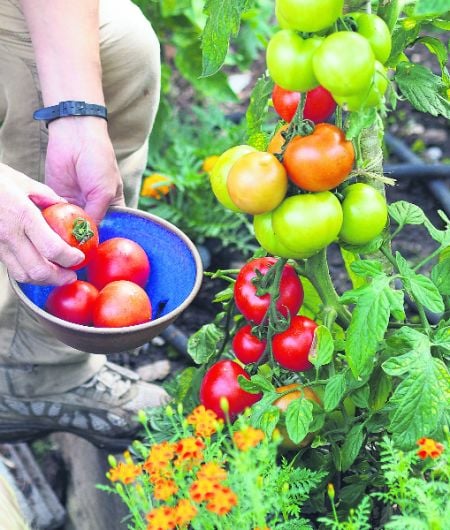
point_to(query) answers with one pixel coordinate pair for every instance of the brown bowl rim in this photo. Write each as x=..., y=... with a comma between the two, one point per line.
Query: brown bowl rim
x=137, y=327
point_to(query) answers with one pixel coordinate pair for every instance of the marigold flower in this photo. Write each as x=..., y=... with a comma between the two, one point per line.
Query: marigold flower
x=209, y=163
x=222, y=501
x=126, y=473
x=164, y=489
x=212, y=471
x=159, y=457
x=205, y=421
x=429, y=447
x=189, y=449
x=162, y=518
x=263, y=528
x=248, y=437
x=185, y=511
x=202, y=489
x=156, y=186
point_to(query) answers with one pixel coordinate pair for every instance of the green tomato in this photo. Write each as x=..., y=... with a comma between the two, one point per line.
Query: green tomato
x=307, y=223
x=282, y=22
x=219, y=174
x=310, y=15
x=365, y=214
x=266, y=237
x=290, y=60
x=344, y=64
x=373, y=96
x=376, y=31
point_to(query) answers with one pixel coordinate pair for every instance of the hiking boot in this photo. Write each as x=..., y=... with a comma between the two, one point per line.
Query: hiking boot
x=102, y=410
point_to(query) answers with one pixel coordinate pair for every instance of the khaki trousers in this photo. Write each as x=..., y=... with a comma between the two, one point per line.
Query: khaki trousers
x=31, y=361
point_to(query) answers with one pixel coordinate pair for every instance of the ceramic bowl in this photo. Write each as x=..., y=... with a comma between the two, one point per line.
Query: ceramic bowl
x=175, y=279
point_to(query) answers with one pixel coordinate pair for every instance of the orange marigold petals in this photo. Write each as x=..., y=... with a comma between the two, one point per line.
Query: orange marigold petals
x=202, y=489
x=212, y=471
x=162, y=518
x=164, y=489
x=156, y=186
x=209, y=163
x=125, y=473
x=429, y=447
x=248, y=437
x=205, y=421
x=189, y=449
x=223, y=500
x=185, y=511
x=159, y=457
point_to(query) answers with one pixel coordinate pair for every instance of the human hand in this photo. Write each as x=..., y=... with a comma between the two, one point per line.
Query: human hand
x=31, y=251
x=81, y=165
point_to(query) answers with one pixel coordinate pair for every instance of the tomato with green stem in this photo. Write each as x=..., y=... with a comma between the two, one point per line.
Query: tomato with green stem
x=309, y=16
x=246, y=346
x=319, y=104
x=291, y=348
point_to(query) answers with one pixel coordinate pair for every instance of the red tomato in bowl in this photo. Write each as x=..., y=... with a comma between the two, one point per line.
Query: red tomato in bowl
x=73, y=302
x=121, y=303
x=319, y=104
x=119, y=258
x=75, y=226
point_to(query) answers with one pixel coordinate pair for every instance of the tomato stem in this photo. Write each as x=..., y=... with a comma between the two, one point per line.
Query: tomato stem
x=81, y=230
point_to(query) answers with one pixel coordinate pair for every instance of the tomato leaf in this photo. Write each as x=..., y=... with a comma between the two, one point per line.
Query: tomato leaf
x=352, y=445
x=423, y=89
x=334, y=391
x=359, y=121
x=402, y=37
x=298, y=419
x=441, y=338
x=256, y=384
x=256, y=113
x=323, y=347
x=437, y=47
x=202, y=345
x=380, y=389
x=370, y=268
x=430, y=7
x=405, y=213
x=269, y=420
x=360, y=397
x=440, y=274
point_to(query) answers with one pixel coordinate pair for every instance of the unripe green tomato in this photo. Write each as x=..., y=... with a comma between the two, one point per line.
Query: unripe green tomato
x=310, y=16
x=374, y=95
x=376, y=31
x=219, y=174
x=282, y=22
x=307, y=223
x=344, y=64
x=290, y=60
x=365, y=214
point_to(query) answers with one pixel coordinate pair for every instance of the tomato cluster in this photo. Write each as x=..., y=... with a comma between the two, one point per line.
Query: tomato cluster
x=117, y=271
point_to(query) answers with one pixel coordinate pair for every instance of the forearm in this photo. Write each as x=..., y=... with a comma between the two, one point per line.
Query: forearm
x=65, y=36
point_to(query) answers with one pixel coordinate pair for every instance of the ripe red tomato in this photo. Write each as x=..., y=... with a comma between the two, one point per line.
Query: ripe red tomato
x=321, y=160
x=221, y=381
x=121, y=303
x=291, y=347
x=247, y=348
x=254, y=307
x=73, y=302
x=75, y=226
x=119, y=258
x=319, y=104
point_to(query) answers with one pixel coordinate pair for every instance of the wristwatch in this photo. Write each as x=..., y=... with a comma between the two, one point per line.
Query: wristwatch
x=70, y=108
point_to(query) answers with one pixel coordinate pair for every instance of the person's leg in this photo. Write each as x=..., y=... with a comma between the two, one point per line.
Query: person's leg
x=32, y=363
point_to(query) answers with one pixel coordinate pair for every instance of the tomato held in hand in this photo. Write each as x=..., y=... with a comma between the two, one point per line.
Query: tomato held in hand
x=221, y=381
x=73, y=302
x=119, y=258
x=121, y=303
x=75, y=226
x=310, y=16
x=247, y=348
x=320, y=161
x=254, y=307
x=307, y=223
x=365, y=214
x=319, y=105
x=291, y=347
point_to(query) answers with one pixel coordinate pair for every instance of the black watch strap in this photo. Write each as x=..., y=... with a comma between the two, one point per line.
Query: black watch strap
x=70, y=108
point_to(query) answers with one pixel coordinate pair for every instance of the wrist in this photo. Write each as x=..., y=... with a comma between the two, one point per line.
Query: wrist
x=66, y=109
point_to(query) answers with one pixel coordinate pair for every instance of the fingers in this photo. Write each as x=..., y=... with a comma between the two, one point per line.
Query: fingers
x=98, y=203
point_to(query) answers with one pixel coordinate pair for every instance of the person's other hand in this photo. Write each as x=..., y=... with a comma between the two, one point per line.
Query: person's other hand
x=81, y=165
x=31, y=251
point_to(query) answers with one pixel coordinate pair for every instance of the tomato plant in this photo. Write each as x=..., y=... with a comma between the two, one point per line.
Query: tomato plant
x=221, y=381
x=75, y=226
x=365, y=214
x=253, y=306
x=219, y=174
x=290, y=60
x=291, y=347
x=257, y=182
x=310, y=15
x=119, y=258
x=345, y=63
x=320, y=161
x=246, y=346
x=307, y=223
x=73, y=302
x=121, y=303
x=319, y=105
x=377, y=33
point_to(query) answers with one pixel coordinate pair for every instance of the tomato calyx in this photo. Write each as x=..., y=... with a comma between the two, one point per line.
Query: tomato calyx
x=82, y=230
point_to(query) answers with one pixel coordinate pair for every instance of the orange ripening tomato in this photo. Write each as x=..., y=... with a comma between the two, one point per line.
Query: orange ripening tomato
x=277, y=140
x=320, y=161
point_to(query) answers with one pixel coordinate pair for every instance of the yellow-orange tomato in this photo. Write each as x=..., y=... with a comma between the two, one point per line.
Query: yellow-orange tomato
x=156, y=186
x=283, y=402
x=277, y=140
x=257, y=182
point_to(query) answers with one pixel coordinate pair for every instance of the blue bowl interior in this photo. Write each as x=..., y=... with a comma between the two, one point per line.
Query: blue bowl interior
x=172, y=265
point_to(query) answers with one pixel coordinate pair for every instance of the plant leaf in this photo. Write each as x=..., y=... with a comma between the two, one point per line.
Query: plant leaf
x=323, y=347
x=352, y=445
x=298, y=419
x=334, y=391
x=202, y=345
